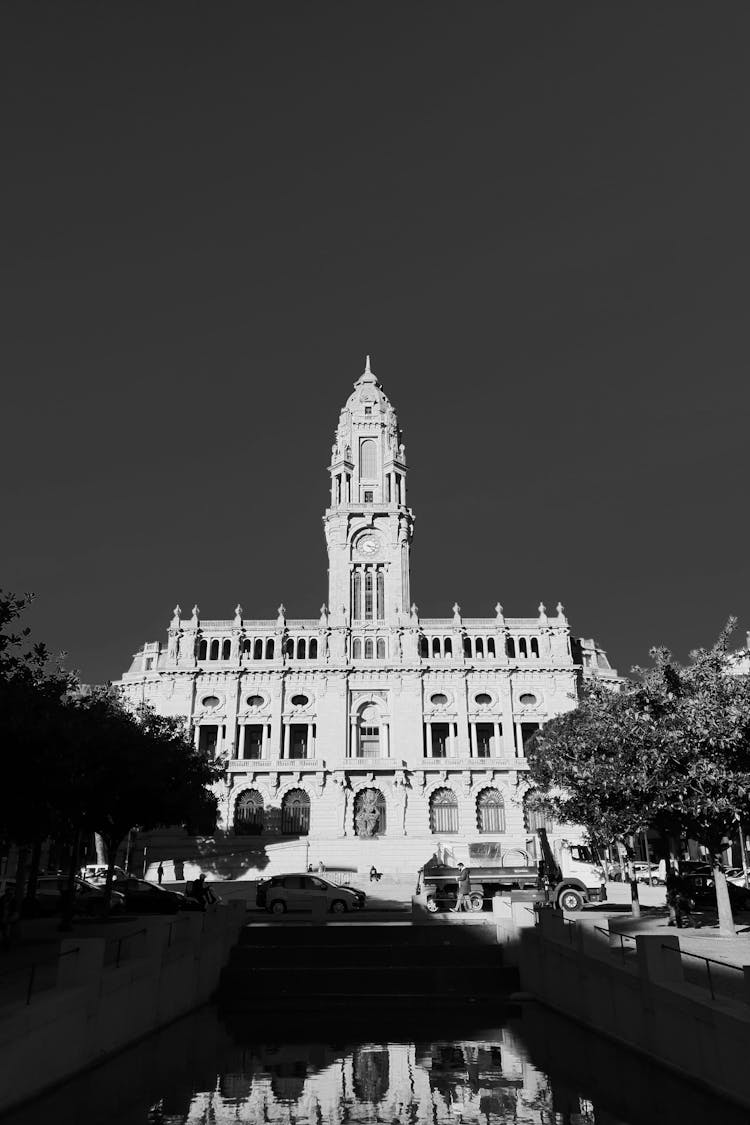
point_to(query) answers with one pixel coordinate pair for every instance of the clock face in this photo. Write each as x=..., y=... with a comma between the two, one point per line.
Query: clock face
x=368, y=546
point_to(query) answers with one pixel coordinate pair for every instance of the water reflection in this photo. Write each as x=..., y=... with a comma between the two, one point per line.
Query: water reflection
x=471, y=1081
x=442, y=1069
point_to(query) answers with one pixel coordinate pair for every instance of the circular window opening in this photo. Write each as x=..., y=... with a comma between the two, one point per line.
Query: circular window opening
x=483, y=698
x=211, y=701
x=255, y=701
x=439, y=698
x=300, y=700
x=527, y=698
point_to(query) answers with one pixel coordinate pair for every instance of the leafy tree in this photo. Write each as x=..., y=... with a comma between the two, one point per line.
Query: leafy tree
x=671, y=751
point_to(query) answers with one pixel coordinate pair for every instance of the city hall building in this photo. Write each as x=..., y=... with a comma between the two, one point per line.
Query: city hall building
x=369, y=734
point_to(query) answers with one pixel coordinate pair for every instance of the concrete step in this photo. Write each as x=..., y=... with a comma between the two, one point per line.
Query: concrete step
x=367, y=956
x=290, y=935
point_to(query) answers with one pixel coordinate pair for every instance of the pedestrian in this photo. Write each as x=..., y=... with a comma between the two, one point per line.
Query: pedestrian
x=464, y=884
x=678, y=901
x=202, y=893
x=160, y=872
x=374, y=874
x=321, y=867
x=310, y=867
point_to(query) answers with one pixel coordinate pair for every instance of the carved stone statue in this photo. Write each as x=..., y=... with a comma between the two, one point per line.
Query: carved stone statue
x=456, y=613
x=342, y=786
x=177, y=613
x=414, y=613
x=499, y=612
x=542, y=611
x=560, y=611
x=172, y=647
x=196, y=615
x=323, y=615
x=186, y=646
x=368, y=816
x=238, y=614
x=281, y=611
x=399, y=801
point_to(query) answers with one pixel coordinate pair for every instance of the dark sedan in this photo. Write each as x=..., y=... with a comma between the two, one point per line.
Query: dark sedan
x=142, y=897
x=701, y=889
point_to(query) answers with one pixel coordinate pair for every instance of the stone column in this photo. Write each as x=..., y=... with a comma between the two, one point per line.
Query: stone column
x=309, y=749
x=428, y=747
x=519, y=741
x=287, y=739
x=353, y=738
x=473, y=732
x=241, y=743
x=496, y=746
x=386, y=742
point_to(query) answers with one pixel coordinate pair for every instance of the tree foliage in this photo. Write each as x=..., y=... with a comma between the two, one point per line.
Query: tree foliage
x=671, y=751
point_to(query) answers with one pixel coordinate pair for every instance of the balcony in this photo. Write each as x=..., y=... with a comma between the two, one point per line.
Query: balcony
x=502, y=763
x=290, y=765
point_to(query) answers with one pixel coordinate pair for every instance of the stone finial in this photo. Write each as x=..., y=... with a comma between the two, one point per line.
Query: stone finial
x=195, y=619
x=561, y=613
x=323, y=615
x=177, y=611
x=499, y=614
x=414, y=612
x=281, y=618
x=456, y=613
x=238, y=614
x=542, y=612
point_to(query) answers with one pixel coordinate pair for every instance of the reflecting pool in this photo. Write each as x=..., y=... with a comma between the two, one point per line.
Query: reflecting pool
x=528, y=1066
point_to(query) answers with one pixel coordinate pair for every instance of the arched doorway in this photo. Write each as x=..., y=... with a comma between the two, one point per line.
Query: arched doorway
x=295, y=813
x=369, y=813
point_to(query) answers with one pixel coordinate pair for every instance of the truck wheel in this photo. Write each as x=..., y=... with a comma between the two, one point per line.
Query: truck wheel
x=432, y=906
x=278, y=907
x=476, y=903
x=570, y=899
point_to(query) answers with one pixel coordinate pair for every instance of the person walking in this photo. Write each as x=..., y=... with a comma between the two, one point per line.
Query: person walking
x=202, y=893
x=464, y=885
x=160, y=872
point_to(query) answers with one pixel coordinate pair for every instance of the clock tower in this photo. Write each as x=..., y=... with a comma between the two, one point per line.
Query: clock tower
x=368, y=525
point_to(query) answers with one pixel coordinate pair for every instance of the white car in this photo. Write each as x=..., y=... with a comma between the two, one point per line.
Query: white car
x=301, y=891
x=96, y=873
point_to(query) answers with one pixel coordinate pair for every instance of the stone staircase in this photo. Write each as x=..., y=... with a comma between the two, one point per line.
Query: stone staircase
x=304, y=966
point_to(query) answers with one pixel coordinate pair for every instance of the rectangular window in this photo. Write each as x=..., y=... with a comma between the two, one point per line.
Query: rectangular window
x=485, y=732
x=527, y=730
x=368, y=595
x=368, y=410
x=207, y=740
x=368, y=496
x=298, y=741
x=253, y=741
x=439, y=748
x=369, y=742
x=388, y=488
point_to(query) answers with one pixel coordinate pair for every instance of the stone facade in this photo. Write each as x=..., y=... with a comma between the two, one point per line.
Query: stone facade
x=369, y=724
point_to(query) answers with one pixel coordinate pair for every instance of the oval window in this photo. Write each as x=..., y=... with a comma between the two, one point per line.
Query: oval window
x=211, y=701
x=483, y=698
x=300, y=700
x=527, y=698
x=255, y=701
x=439, y=698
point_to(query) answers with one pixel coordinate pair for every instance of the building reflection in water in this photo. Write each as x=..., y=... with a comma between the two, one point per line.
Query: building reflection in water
x=487, y=1081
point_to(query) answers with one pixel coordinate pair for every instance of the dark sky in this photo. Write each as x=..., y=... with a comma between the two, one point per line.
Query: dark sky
x=534, y=216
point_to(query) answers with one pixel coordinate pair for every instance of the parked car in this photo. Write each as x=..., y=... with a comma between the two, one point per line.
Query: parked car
x=142, y=897
x=735, y=875
x=88, y=899
x=299, y=891
x=701, y=889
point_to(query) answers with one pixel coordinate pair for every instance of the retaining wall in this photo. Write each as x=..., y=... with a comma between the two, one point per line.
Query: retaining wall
x=641, y=1000
x=111, y=992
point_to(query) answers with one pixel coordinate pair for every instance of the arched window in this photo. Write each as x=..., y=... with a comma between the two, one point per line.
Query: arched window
x=313, y=650
x=380, y=612
x=536, y=818
x=368, y=649
x=214, y=653
x=381, y=648
x=491, y=647
x=289, y=646
x=269, y=649
x=467, y=646
x=357, y=595
x=443, y=811
x=301, y=648
x=368, y=459
x=510, y=648
x=248, y=814
x=226, y=650
x=522, y=651
x=424, y=647
x=369, y=813
x=295, y=813
x=448, y=646
x=534, y=647
x=369, y=612
x=479, y=646
x=490, y=811
x=202, y=650
x=356, y=649
x=258, y=650
x=436, y=646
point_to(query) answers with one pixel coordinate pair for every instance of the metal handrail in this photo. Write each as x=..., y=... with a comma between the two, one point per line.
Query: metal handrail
x=620, y=935
x=700, y=957
x=125, y=937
